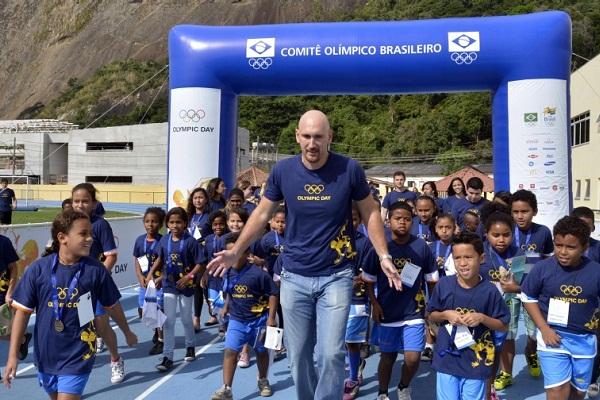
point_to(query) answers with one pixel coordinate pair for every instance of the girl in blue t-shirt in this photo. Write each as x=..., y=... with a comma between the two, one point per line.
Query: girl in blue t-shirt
x=103, y=249
x=199, y=228
x=212, y=284
x=63, y=288
x=145, y=252
x=426, y=210
x=216, y=194
x=180, y=258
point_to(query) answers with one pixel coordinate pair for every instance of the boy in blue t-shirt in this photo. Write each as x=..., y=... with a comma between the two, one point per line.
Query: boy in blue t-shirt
x=535, y=242
x=469, y=310
x=561, y=295
x=400, y=315
x=63, y=288
x=472, y=201
x=251, y=302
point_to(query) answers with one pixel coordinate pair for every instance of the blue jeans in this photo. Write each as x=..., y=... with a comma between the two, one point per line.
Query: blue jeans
x=315, y=313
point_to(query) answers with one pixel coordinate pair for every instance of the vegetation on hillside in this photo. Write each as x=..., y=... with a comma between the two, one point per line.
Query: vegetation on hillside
x=450, y=129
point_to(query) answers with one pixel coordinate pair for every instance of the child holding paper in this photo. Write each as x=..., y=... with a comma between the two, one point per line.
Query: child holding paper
x=400, y=315
x=469, y=310
x=252, y=304
x=64, y=288
x=561, y=295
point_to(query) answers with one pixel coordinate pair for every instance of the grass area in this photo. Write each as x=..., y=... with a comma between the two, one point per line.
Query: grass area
x=48, y=214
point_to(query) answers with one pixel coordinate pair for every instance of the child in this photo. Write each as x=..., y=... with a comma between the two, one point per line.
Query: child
x=9, y=277
x=358, y=319
x=498, y=258
x=104, y=249
x=444, y=230
x=251, y=303
x=593, y=253
x=145, y=253
x=426, y=210
x=216, y=194
x=472, y=222
x=430, y=189
x=249, y=201
x=271, y=246
x=400, y=315
x=535, y=242
x=561, y=295
x=63, y=289
x=214, y=284
x=199, y=227
x=469, y=310
x=587, y=215
x=235, y=199
x=179, y=260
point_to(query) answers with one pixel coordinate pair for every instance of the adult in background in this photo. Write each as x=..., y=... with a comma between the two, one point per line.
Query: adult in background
x=400, y=193
x=216, y=194
x=316, y=281
x=8, y=202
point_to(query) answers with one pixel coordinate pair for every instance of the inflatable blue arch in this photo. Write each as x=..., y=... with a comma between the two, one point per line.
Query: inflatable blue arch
x=523, y=60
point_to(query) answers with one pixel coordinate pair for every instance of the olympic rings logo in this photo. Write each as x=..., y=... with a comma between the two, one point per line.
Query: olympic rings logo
x=463, y=57
x=571, y=290
x=192, y=115
x=314, y=189
x=240, y=288
x=260, y=63
x=464, y=311
x=401, y=262
x=494, y=274
x=62, y=293
x=529, y=247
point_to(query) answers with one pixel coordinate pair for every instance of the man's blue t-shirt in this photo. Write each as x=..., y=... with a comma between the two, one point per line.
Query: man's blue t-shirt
x=6, y=197
x=461, y=206
x=319, y=232
x=395, y=196
x=249, y=290
x=249, y=206
x=476, y=361
x=449, y=203
x=201, y=222
x=143, y=247
x=579, y=286
x=8, y=255
x=408, y=304
x=271, y=245
x=422, y=231
x=183, y=256
x=72, y=351
x=102, y=234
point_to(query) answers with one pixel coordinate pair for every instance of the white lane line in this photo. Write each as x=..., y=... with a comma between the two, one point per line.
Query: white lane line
x=21, y=371
x=175, y=371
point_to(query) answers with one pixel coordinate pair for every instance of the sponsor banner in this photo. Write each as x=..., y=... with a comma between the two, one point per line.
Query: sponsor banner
x=538, y=144
x=30, y=242
x=194, y=130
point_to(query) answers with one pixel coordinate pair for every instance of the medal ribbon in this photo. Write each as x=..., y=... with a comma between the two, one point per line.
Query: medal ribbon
x=170, y=267
x=518, y=237
x=437, y=250
x=58, y=311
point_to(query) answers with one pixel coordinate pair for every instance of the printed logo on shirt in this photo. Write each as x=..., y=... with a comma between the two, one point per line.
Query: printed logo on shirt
x=314, y=193
x=420, y=301
x=494, y=275
x=3, y=282
x=592, y=324
x=241, y=292
x=342, y=246
x=464, y=311
x=485, y=344
x=401, y=262
x=88, y=336
x=529, y=247
x=260, y=307
x=570, y=290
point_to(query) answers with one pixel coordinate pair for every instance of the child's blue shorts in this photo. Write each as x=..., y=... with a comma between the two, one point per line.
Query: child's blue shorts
x=391, y=339
x=560, y=368
x=253, y=332
x=450, y=387
x=71, y=384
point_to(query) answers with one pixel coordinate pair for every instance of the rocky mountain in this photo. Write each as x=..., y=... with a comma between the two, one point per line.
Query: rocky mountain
x=45, y=44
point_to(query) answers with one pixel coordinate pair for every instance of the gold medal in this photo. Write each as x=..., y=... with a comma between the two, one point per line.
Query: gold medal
x=58, y=325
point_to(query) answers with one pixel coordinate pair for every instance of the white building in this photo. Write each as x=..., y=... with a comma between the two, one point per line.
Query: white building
x=58, y=152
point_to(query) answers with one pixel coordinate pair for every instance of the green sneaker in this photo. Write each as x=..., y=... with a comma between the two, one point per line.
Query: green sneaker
x=534, y=365
x=503, y=380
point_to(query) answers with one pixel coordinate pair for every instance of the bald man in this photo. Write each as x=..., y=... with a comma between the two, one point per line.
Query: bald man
x=318, y=187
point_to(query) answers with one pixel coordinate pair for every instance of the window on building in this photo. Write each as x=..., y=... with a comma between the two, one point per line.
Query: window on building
x=6, y=162
x=109, y=146
x=577, y=189
x=580, y=129
x=588, y=183
x=109, y=179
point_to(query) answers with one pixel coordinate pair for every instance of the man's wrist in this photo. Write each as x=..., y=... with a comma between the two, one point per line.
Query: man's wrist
x=386, y=256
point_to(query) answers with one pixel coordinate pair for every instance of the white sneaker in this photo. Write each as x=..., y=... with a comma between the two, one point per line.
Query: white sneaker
x=117, y=371
x=100, y=345
x=404, y=394
x=383, y=397
x=593, y=390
